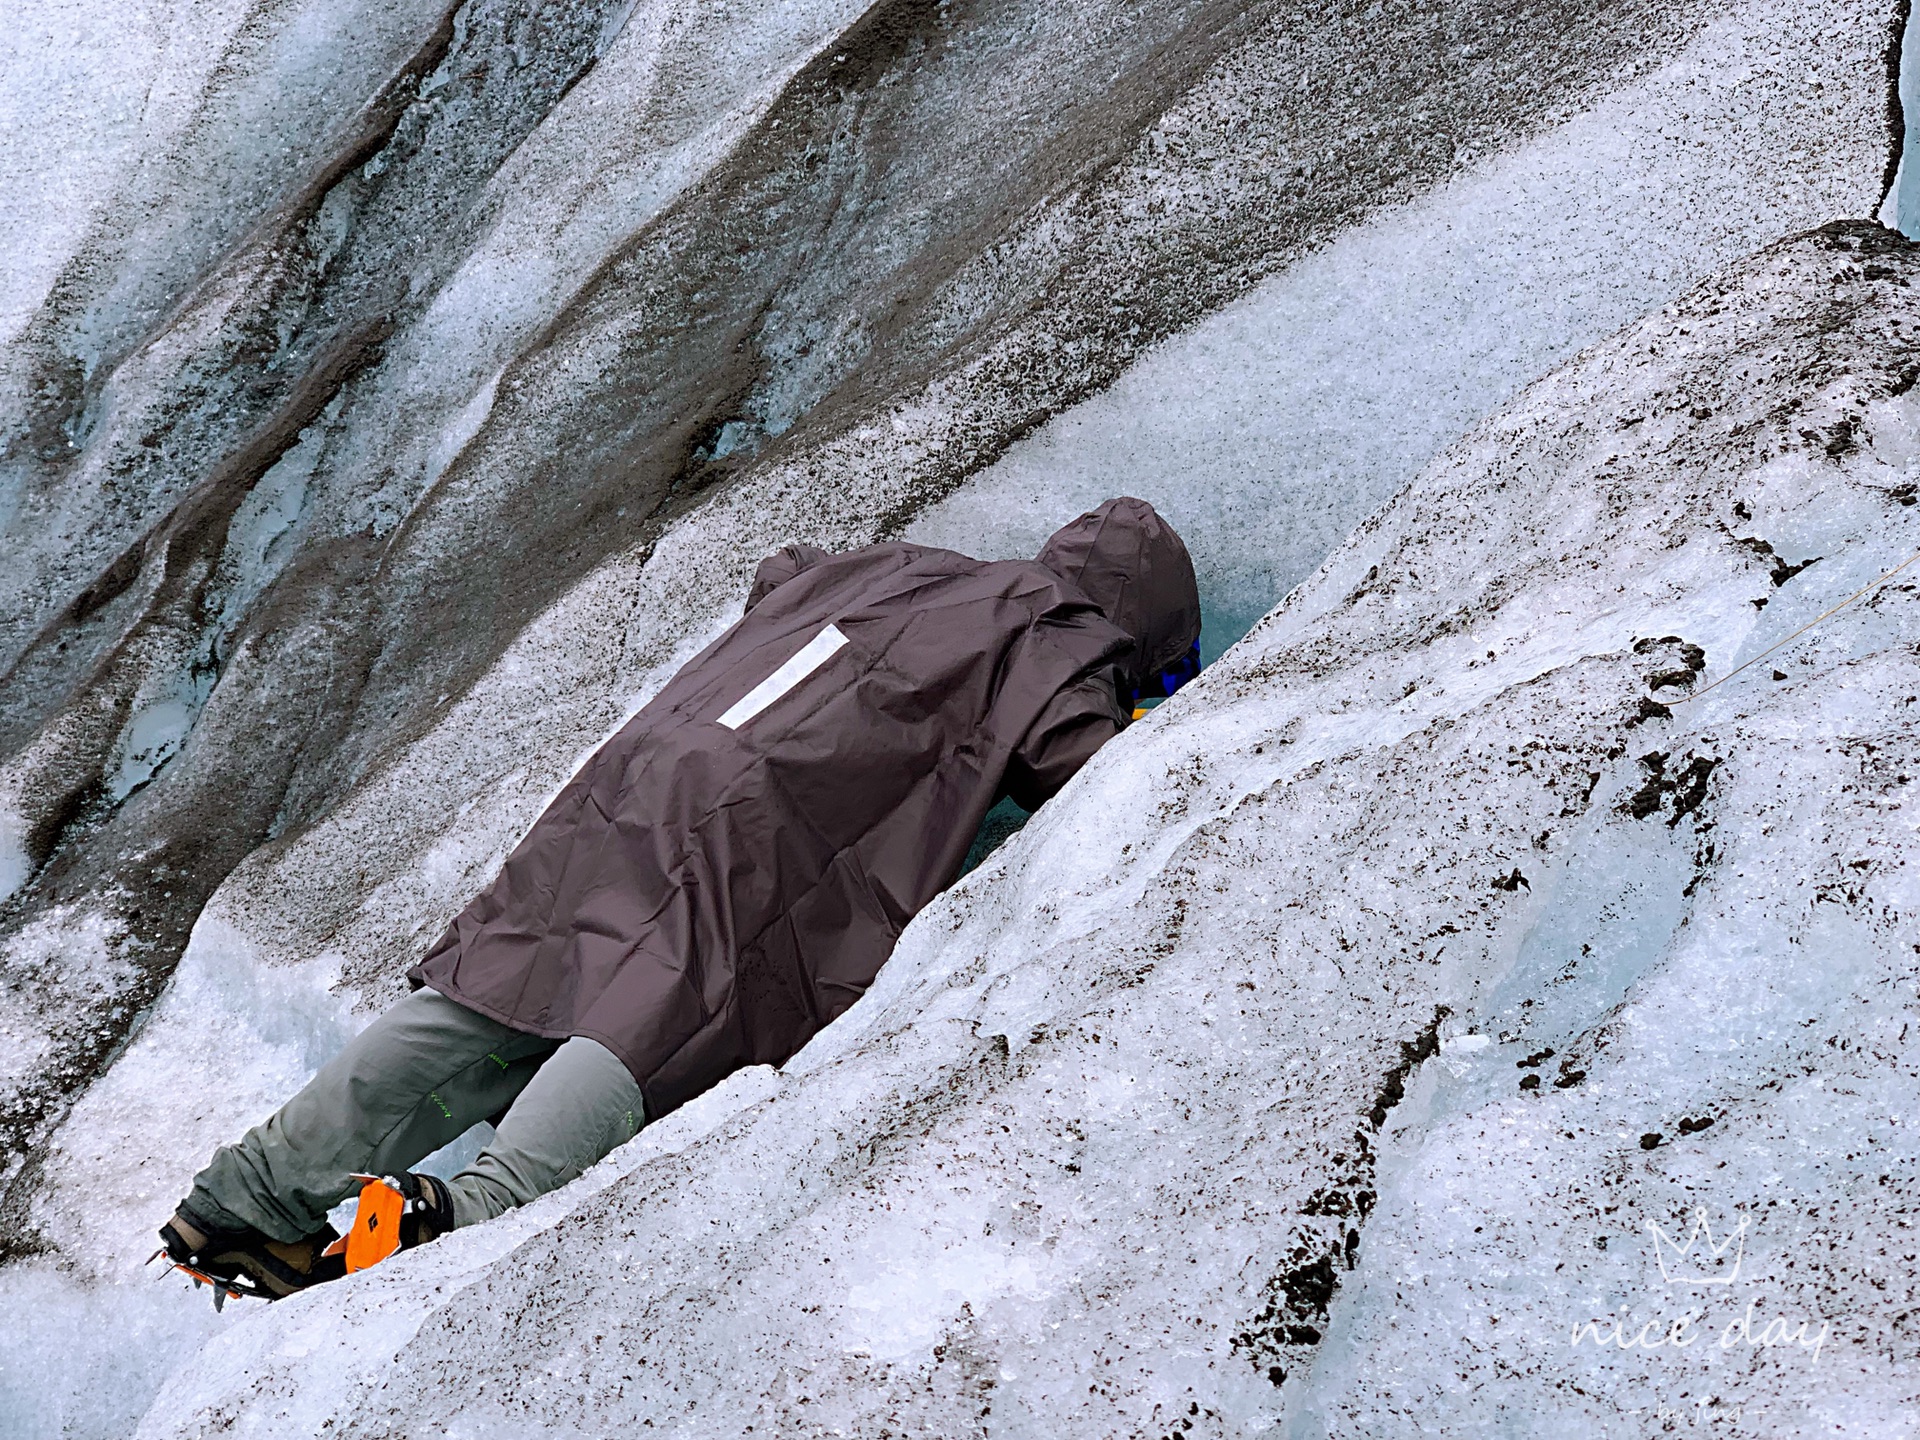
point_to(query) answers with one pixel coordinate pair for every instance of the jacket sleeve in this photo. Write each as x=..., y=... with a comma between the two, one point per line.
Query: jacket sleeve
x=1075, y=723
x=780, y=567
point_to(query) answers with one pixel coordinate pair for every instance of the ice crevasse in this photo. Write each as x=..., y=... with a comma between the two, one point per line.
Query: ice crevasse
x=1318, y=1063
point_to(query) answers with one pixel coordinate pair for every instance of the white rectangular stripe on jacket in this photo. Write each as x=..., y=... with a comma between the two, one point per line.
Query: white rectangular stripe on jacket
x=815, y=653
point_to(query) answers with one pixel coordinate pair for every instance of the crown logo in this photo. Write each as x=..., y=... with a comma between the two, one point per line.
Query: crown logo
x=1694, y=1258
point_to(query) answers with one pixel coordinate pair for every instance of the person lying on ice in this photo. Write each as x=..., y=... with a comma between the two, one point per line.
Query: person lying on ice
x=724, y=877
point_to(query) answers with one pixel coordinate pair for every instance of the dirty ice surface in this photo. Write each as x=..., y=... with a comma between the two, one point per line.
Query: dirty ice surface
x=1269, y=430
x=94, y=1355
x=1267, y=433
x=1317, y=1062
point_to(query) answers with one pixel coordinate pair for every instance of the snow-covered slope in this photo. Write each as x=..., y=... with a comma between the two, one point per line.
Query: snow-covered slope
x=1221, y=1099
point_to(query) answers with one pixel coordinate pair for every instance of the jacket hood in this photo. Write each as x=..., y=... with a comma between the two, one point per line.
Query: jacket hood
x=1130, y=563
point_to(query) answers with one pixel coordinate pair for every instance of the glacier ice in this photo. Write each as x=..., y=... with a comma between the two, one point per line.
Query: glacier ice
x=1093, y=1149
x=1409, y=291
x=14, y=863
x=1205, y=1098
x=1901, y=209
x=1271, y=428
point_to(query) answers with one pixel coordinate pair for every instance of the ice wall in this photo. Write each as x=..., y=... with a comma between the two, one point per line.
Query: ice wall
x=173, y=121
x=369, y=310
x=1270, y=429
x=1901, y=209
x=371, y=706
x=1337, y=1034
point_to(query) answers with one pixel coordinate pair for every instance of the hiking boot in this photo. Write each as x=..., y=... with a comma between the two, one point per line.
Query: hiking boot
x=245, y=1262
x=396, y=1212
x=429, y=1209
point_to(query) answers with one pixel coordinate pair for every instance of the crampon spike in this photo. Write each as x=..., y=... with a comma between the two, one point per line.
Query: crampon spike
x=223, y=1290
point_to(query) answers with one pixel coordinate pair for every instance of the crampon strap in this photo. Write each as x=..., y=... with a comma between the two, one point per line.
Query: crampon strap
x=375, y=1233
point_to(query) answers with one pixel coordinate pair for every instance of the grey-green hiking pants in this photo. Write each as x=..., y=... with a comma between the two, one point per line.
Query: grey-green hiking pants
x=412, y=1081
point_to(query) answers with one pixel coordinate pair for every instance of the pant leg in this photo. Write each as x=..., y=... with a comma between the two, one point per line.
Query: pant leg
x=581, y=1104
x=406, y=1085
